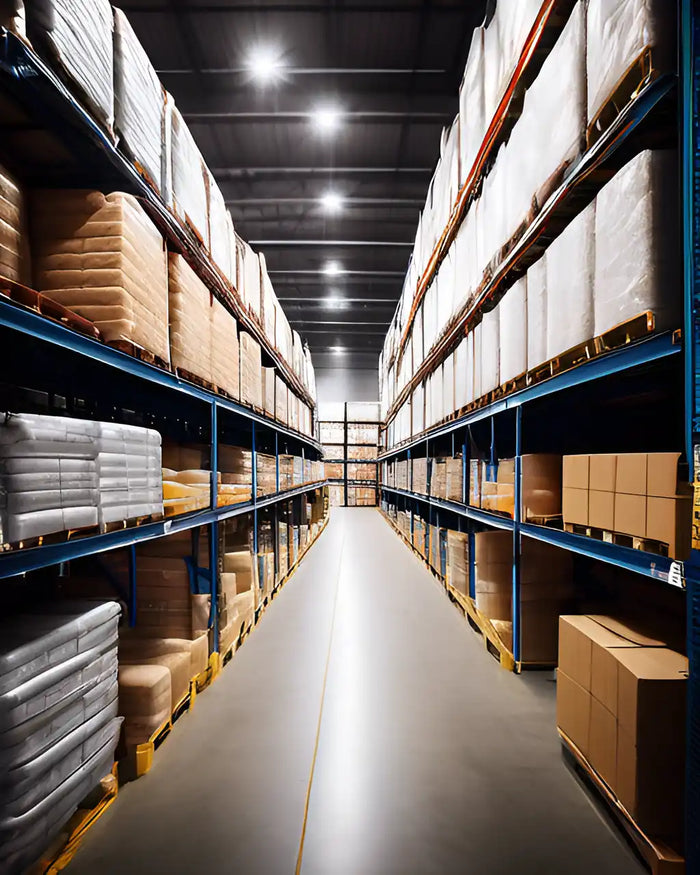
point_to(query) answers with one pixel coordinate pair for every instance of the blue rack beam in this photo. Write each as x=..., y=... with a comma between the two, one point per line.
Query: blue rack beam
x=647, y=564
x=17, y=562
x=644, y=352
x=31, y=324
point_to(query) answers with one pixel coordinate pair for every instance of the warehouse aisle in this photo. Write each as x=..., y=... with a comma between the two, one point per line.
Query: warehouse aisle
x=429, y=758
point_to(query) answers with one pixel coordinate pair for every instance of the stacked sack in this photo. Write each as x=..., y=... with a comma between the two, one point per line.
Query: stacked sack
x=58, y=473
x=58, y=720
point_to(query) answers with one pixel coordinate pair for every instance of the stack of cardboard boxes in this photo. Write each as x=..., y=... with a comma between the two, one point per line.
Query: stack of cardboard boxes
x=621, y=701
x=458, y=561
x=642, y=495
x=492, y=487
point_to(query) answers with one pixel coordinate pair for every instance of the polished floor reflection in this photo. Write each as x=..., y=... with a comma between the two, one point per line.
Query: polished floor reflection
x=364, y=716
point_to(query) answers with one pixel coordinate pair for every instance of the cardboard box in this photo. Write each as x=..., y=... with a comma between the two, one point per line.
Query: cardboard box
x=602, y=750
x=458, y=561
x=631, y=514
x=541, y=485
x=575, y=472
x=669, y=520
x=574, y=505
x=601, y=509
x=602, y=472
x=493, y=553
x=573, y=711
x=576, y=636
x=631, y=474
x=664, y=479
x=475, y=482
x=498, y=497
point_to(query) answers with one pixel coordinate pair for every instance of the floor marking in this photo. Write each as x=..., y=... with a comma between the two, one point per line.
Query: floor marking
x=320, y=713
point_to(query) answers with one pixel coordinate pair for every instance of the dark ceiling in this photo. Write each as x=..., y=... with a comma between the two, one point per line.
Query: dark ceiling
x=392, y=69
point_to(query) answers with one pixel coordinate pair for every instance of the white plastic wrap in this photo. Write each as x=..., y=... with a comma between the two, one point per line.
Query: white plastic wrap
x=418, y=410
x=493, y=67
x=490, y=353
x=78, y=35
x=537, y=313
x=467, y=277
x=139, y=101
x=636, y=249
x=429, y=308
x=472, y=112
x=220, y=229
x=444, y=290
x=513, y=331
x=570, y=265
x=464, y=381
x=249, y=269
x=618, y=33
x=448, y=386
x=475, y=344
x=189, y=187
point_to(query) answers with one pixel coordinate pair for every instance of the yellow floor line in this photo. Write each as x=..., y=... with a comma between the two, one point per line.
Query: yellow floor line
x=320, y=713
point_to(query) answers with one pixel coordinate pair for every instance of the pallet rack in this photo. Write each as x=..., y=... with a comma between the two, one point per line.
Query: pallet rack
x=347, y=422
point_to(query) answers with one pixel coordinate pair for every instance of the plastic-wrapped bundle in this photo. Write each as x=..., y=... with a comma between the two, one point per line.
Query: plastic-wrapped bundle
x=417, y=335
x=472, y=112
x=283, y=334
x=78, y=35
x=490, y=353
x=129, y=468
x=251, y=371
x=448, y=387
x=418, y=422
x=636, y=244
x=537, y=313
x=521, y=169
x=224, y=349
x=189, y=187
x=464, y=382
x=467, y=277
x=619, y=31
x=14, y=251
x=513, y=331
x=139, y=101
x=554, y=110
x=491, y=214
x=101, y=256
x=269, y=300
x=190, y=320
x=429, y=308
x=570, y=266
x=476, y=360
x=444, y=290
x=516, y=19
x=281, y=401
x=220, y=228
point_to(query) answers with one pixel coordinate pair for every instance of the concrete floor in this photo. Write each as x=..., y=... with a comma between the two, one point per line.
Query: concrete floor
x=425, y=756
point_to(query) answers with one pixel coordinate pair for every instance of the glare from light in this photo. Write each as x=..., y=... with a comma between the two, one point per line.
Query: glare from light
x=338, y=350
x=326, y=119
x=265, y=64
x=332, y=268
x=332, y=202
x=334, y=303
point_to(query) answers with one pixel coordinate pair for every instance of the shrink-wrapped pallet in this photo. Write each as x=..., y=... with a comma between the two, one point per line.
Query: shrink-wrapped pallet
x=139, y=102
x=101, y=257
x=513, y=331
x=636, y=244
x=251, y=371
x=490, y=352
x=268, y=380
x=14, y=248
x=190, y=319
x=283, y=334
x=448, y=387
x=472, y=110
x=269, y=300
x=77, y=36
x=220, y=228
x=129, y=470
x=249, y=269
x=464, y=386
x=475, y=344
x=444, y=290
x=570, y=266
x=189, y=186
x=467, y=276
x=537, y=314
x=225, y=366
x=619, y=32
x=553, y=120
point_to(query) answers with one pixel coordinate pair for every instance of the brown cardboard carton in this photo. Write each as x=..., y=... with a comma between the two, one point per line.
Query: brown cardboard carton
x=454, y=478
x=575, y=505
x=475, y=473
x=458, y=561
x=602, y=751
x=498, y=497
x=631, y=474
x=631, y=514
x=494, y=605
x=664, y=480
x=604, y=667
x=601, y=509
x=669, y=520
x=506, y=472
x=602, y=472
x=634, y=629
x=575, y=472
x=573, y=711
x=541, y=485
x=493, y=547
x=577, y=636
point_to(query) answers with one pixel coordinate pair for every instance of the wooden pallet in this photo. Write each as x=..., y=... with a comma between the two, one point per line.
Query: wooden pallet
x=659, y=857
x=64, y=847
x=139, y=757
x=554, y=521
x=626, y=332
x=639, y=73
x=52, y=538
x=39, y=303
x=119, y=525
x=190, y=377
x=646, y=545
x=484, y=627
x=128, y=347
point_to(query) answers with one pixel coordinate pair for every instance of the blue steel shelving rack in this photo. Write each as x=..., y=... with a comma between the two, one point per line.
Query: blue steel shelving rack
x=54, y=109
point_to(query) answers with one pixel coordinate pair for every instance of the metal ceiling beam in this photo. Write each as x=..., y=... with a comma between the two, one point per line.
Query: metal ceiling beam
x=339, y=243
x=237, y=9
x=236, y=172
x=366, y=116
x=346, y=202
x=311, y=300
x=334, y=279
x=340, y=331
x=308, y=71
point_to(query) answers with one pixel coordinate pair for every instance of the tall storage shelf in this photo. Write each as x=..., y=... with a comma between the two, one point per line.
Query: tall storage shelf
x=623, y=392
x=217, y=552
x=350, y=437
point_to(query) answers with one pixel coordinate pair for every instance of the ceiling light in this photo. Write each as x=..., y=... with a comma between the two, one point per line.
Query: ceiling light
x=332, y=268
x=334, y=303
x=265, y=64
x=332, y=202
x=326, y=119
x=338, y=350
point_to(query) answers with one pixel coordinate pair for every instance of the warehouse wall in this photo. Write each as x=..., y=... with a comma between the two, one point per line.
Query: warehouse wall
x=346, y=384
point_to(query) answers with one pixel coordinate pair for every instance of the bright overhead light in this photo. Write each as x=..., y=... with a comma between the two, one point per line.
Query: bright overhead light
x=265, y=64
x=334, y=303
x=332, y=202
x=338, y=350
x=332, y=268
x=326, y=119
